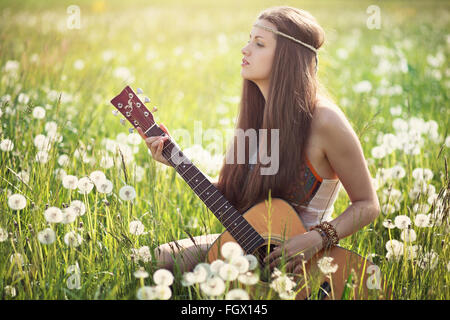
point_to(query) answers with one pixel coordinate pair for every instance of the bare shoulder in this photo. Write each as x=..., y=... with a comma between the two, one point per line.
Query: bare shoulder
x=328, y=119
x=327, y=113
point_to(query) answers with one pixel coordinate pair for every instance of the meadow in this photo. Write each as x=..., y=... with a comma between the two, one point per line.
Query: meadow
x=82, y=203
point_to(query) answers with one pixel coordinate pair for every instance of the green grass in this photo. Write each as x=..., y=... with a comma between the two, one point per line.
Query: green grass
x=186, y=57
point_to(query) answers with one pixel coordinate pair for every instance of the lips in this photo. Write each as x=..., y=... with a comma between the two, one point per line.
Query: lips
x=244, y=61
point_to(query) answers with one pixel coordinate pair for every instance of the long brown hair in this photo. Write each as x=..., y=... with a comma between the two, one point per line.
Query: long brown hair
x=291, y=101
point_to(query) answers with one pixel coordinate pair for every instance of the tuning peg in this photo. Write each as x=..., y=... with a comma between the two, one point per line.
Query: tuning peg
x=154, y=109
x=139, y=91
x=131, y=130
x=146, y=99
x=115, y=112
x=122, y=121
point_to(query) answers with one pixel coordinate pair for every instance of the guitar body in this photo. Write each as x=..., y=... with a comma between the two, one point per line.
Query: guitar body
x=282, y=223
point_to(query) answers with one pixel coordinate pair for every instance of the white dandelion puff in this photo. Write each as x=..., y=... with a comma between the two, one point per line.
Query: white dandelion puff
x=237, y=294
x=213, y=286
x=136, y=227
x=231, y=250
x=146, y=293
x=70, y=182
x=422, y=220
x=408, y=235
x=163, y=277
x=6, y=145
x=69, y=215
x=228, y=272
x=17, y=201
x=402, y=221
x=38, y=112
x=248, y=278
x=72, y=239
x=162, y=292
x=3, y=235
x=79, y=207
x=326, y=265
x=63, y=160
x=104, y=186
x=46, y=236
x=127, y=193
x=53, y=215
x=97, y=176
x=85, y=185
x=140, y=274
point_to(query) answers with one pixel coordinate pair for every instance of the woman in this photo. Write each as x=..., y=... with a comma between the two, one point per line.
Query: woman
x=318, y=149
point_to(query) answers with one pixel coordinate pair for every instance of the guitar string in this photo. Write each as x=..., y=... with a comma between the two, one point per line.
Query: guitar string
x=166, y=153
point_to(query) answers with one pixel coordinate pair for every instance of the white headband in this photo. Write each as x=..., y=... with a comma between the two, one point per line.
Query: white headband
x=293, y=39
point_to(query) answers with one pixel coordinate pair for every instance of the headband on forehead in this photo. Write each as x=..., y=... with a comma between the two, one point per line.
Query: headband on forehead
x=291, y=38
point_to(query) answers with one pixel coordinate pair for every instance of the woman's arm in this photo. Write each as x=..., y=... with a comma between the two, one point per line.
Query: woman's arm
x=344, y=153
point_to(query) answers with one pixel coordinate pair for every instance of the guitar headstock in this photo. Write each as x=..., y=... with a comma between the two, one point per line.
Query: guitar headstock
x=134, y=110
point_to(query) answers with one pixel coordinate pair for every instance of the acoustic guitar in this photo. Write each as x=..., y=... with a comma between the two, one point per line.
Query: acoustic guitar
x=264, y=226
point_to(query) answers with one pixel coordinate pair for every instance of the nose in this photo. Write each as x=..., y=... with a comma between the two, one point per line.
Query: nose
x=245, y=51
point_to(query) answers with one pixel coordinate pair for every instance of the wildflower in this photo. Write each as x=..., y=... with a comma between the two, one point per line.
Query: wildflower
x=378, y=152
x=428, y=261
x=248, y=278
x=402, y=221
x=408, y=235
x=231, y=250
x=422, y=220
x=237, y=294
x=146, y=293
x=104, y=186
x=241, y=263
x=85, y=185
x=228, y=272
x=422, y=174
x=3, y=235
x=394, y=248
x=70, y=182
x=281, y=283
x=216, y=265
x=127, y=193
x=17, y=202
x=140, y=274
x=24, y=176
x=144, y=253
x=136, y=227
x=78, y=206
x=38, y=113
x=10, y=291
x=46, y=236
x=63, y=160
x=162, y=292
x=78, y=64
x=53, y=215
x=213, y=286
x=421, y=208
x=326, y=266
x=72, y=239
x=388, y=224
x=201, y=272
x=253, y=262
x=69, y=215
x=6, y=145
x=163, y=277
x=42, y=156
x=188, y=279
x=97, y=176
x=398, y=172
x=134, y=139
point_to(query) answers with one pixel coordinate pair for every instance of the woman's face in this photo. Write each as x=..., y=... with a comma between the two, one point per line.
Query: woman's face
x=259, y=53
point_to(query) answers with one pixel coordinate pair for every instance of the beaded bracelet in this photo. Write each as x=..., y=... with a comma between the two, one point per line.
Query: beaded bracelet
x=331, y=238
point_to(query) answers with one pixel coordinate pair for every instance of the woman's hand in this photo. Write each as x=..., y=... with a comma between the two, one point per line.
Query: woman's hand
x=156, y=144
x=295, y=250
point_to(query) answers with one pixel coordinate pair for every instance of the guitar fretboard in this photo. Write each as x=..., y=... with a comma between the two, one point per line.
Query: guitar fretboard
x=247, y=237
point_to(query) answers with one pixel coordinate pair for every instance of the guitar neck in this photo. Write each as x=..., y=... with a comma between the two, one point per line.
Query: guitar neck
x=247, y=237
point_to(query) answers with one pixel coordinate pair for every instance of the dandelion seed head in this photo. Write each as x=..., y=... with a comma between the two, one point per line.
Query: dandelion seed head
x=46, y=236
x=326, y=265
x=53, y=215
x=136, y=227
x=163, y=277
x=127, y=193
x=6, y=145
x=237, y=294
x=17, y=201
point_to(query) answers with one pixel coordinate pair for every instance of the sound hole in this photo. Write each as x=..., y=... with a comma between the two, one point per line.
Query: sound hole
x=260, y=254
